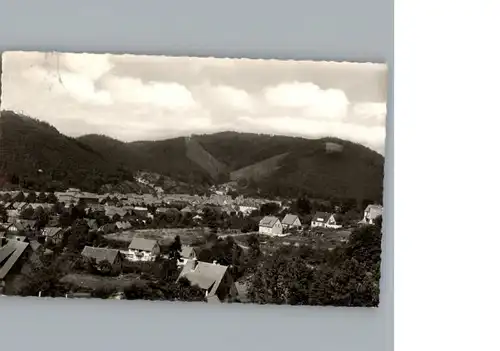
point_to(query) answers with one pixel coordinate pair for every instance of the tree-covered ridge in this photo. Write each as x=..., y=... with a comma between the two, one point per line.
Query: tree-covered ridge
x=90, y=161
x=37, y=153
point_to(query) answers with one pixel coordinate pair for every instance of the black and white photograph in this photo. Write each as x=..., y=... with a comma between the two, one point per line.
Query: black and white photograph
x=213, y=180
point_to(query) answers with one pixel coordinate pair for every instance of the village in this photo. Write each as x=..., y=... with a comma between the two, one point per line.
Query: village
x=121, y=240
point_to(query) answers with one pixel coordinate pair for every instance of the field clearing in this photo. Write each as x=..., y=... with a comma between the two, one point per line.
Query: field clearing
x=164, y=236
x=329, y=239
x=92, y=282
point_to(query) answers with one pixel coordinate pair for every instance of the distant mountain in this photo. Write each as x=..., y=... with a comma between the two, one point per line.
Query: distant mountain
x=270, y=165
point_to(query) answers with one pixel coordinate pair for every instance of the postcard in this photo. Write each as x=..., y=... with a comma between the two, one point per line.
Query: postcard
x=213, y=180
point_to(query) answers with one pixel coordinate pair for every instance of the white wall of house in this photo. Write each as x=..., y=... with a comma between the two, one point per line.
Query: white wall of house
x=138, y=255
x=276, y=229
x=330, y=223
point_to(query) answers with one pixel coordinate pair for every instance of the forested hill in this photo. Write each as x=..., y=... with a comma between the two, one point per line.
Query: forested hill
x=273, y=165
x=37, y=152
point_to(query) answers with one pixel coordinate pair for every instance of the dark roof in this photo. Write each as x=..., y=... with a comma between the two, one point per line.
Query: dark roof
x=207, y=276
x=51, y=231
x=142, y=244
x=268, y=221
x=10, y=253
x=28, y=222
x=100, y=253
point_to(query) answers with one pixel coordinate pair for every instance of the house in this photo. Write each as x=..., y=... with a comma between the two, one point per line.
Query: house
x=141, y=249
x=28, y=224
x=110, y=211
x=160, y=210
x=96, y=208
x=123, y=225
x=211, y=277
x=54, y=234
x=270, y=225
x=100, y=254
x=187, y=253
x=187, y=209
x=372, y=212
x=15, y=229
x=88, y=198
x=19, y=206
x=247, y=210
x=21, y=227
x=92, y=224
x=14, y=236
x=291, y=221
x=10, y=254
x=12, y=215
x=140, y=211
x=107, y=228
x=324, y=220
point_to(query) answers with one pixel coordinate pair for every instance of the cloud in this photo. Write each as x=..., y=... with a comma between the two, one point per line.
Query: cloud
x=78, y=86
x=236, y=99
x=137, y=97
x=168, y=95
x=308, y=97
x=92, y=66
x=369, y=113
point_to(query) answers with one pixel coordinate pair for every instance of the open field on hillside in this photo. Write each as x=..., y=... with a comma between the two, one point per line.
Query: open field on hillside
x=164, y=236
x=329, y=239
x=259, y=169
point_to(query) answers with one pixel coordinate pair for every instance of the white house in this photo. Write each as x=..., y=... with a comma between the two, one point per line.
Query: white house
x=291, y=221
x=209, y=277
x=187, y=253
x=372, y=212
x=141, y=249
x=324, y=220
x=246, y=210
x=270, y=225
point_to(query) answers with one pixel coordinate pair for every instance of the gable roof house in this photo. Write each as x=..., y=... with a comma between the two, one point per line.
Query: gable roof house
x=270, y=225
x=12, y=215
x=16, y=259
x=123, y=225
x=21, y=226
x=110, y=211
x=100, y=254
x=187, y=253
x=291, y=221
x=140, y=211
x=372, y=212
x=54, y=234
x=324, y=220
x=107, y=228
x=141, y=249
x=211, y=277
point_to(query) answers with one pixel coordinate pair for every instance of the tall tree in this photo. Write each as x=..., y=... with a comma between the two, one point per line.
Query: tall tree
x=3, y=214
x=31, y=198
x=175, y=248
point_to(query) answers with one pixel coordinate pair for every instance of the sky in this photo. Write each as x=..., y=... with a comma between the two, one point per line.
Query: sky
x=132, y=97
